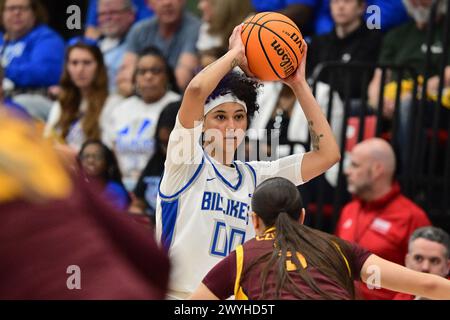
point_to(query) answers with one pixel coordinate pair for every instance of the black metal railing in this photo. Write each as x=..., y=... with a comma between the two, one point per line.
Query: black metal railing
x=422, y=147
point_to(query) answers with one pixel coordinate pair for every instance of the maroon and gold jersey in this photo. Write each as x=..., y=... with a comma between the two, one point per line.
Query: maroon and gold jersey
x=58, y=238
x=226, y=278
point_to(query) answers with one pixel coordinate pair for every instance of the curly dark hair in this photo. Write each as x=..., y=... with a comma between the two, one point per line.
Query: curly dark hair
x=243, y=87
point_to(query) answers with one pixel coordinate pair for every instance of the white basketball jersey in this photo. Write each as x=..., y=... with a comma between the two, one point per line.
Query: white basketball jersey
x=203, y=206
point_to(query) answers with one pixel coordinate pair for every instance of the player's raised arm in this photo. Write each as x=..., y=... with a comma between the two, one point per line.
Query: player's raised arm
x=395, y=277
x=325, y=151
x=204, y=82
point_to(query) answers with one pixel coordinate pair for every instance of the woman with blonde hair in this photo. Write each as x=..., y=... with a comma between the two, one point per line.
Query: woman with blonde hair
x=218, y=21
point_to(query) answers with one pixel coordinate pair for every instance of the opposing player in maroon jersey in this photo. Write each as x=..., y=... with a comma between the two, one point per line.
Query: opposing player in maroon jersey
x=288, y=260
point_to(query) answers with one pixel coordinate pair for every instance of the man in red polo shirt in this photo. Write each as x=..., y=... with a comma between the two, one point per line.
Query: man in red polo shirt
x=428, y=251
x=379, y=218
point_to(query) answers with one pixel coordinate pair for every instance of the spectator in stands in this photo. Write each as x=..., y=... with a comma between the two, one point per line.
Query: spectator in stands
x=115, y=18
x=314, y=17
x=277, y=104
x=172, y=30
x=100, y=166
x=81, y=110
x=93, y=28
x=301, y=12
x=132, y=125
x=406, y=45
x=288, y=260
x=350, y=41
x=383, y=15
x=219, y=17
x=146, y=190
x=380, y=218
x=428, y=251
x=52, y=222
x=280, y=114
x=31, y=53
x=282, y=129
x=15, y=108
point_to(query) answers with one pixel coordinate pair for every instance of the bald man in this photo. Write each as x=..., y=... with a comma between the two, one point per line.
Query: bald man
x=379, y=218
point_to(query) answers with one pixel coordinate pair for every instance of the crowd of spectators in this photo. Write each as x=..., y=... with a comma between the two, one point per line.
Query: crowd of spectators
x=109, y=98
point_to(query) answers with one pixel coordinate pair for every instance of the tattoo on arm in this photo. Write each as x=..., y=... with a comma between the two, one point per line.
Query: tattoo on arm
x=315, y=138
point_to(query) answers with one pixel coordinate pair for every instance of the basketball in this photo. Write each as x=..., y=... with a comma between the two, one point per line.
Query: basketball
x=273, y=45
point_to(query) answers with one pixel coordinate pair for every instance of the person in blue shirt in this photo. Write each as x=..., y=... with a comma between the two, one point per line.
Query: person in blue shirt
x=391, y=14
x=314, y=17
x=31, y=53
x=141, y=8
x=100, y=166
x=115, y=19
x=174, y=31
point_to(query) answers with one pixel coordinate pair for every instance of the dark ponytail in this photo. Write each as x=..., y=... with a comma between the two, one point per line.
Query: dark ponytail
x=278, y=203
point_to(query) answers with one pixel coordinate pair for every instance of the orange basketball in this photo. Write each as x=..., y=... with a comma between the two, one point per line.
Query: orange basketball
x=273, y=45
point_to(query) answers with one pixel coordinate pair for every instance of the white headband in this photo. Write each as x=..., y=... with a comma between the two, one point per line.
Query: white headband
x=222, y=99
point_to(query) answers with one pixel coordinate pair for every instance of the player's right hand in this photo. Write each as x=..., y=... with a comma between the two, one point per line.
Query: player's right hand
x=235, y=43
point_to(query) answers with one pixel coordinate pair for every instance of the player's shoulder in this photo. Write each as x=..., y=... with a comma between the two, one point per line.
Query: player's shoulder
x=256, y=247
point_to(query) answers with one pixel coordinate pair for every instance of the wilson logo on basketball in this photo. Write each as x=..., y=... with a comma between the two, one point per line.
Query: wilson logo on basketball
x=274, y=45
x=298, y=41
x=286, y=61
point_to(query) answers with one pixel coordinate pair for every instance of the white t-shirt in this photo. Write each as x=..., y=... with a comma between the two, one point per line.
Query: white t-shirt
x=75, y=137
x=203, y=206
x=131, y=133
x=207, y=41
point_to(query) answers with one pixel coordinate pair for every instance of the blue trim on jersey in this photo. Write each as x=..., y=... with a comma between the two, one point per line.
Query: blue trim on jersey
x=238, y=184
x=169, y=212
x=233, y=233
x=214, y=250
x=253, y=172
x=162, y=195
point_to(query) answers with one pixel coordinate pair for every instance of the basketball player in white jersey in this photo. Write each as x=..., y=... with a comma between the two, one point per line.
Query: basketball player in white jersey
x=205, y=196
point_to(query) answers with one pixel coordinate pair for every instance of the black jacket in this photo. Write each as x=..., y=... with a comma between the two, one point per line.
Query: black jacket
x=362, y=45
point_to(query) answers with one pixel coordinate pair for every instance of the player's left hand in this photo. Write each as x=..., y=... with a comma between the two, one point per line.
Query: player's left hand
x=299, y=75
